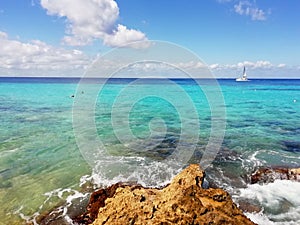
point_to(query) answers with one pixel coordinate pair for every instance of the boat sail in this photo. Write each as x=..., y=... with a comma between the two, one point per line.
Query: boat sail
x=244, y=77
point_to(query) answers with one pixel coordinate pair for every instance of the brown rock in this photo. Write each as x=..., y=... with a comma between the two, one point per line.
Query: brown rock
x=266, y=175
x=183, y=201
x=97, y=200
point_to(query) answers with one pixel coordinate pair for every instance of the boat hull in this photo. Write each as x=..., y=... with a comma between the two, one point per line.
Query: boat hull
x=241, y=79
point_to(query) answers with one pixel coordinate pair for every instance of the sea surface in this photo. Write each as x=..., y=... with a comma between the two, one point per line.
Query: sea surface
x=45, y=162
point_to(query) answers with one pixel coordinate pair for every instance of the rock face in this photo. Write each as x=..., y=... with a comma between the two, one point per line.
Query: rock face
x=183, y=201
x=267, y=175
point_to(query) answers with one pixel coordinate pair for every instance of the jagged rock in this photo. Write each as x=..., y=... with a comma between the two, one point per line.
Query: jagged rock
x=266, y=175
x=183, y=201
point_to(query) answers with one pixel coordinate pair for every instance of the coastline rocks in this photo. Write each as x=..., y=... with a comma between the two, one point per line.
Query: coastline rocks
x=267, y=175
x=183, y=201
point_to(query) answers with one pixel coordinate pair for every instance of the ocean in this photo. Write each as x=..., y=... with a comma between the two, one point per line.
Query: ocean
x=59, y=140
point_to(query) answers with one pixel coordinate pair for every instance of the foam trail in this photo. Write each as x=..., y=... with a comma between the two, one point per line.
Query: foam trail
x=132, y=169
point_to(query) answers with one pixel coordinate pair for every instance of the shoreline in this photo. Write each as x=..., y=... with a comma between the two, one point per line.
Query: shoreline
x=85, y=211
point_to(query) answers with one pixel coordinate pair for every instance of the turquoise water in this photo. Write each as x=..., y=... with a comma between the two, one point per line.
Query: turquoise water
x=41, y=164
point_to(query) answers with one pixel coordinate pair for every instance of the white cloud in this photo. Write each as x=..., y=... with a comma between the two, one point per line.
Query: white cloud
x=249, y=9
x=191, y=65
x=3, y=35
x=250, y=65
x=281, y=65
x=36, y=58
x=214, y=66
x=90, y=20
x=122, y=36
x=255, y=69
x=39, y=56
x=261, y=64
x=258, y=64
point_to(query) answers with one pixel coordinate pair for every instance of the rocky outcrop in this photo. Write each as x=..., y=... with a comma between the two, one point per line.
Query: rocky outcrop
x=183, y=201
x=267, y=175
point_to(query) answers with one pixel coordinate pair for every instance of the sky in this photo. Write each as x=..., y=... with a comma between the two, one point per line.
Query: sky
x=63, y=37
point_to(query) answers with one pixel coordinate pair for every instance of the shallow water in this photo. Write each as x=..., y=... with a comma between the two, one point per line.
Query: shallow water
x=41, y=164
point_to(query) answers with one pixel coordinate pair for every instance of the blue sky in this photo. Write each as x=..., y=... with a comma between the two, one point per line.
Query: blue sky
x=62, y=37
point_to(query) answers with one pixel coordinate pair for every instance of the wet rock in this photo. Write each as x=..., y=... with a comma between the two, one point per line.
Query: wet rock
x=54, y=218
x=251, y=207
x=267, y=175
x=57, y=217
x=227, y=155
x=183, y=201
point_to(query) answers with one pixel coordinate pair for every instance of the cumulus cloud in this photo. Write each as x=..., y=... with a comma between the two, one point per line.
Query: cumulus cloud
x=214, y=66
x=249, y=9
x=90, y=20
x=3, y=35
x=121, y=36
x=37, y=55
x=257, y=64
x=260, y=64
x=256, y=69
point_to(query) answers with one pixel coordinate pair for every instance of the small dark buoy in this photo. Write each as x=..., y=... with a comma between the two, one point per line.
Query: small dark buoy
x=72, y=96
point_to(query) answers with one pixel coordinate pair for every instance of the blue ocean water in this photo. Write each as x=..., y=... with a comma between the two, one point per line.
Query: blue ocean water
x=42, y=166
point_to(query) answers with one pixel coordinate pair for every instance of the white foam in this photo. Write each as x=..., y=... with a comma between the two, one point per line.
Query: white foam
x=71, y=196
x=280, y=201
x=108, y=171
x=252, y=161
x=132, y=169
x=27, y=219
x=259, y=218
x=69, y=201
x=262, y=219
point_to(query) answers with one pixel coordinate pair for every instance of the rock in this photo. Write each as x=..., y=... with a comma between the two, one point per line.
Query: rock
x=183, y=201
x=97, y=200
x=251, y=207
x=267, y=175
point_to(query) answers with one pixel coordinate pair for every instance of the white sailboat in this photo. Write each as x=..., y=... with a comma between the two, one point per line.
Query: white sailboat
x=243, y=77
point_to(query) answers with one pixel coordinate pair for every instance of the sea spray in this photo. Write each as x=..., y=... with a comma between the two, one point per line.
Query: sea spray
x=279, y=200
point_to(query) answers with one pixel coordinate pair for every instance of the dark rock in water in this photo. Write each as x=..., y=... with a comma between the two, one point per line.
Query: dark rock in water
x=267, y=175
x=56, y=216
x=291, y=146
x=164, y=147
x=183, y=201
x=250, y=207
x=53, y=218
x=226, y=154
